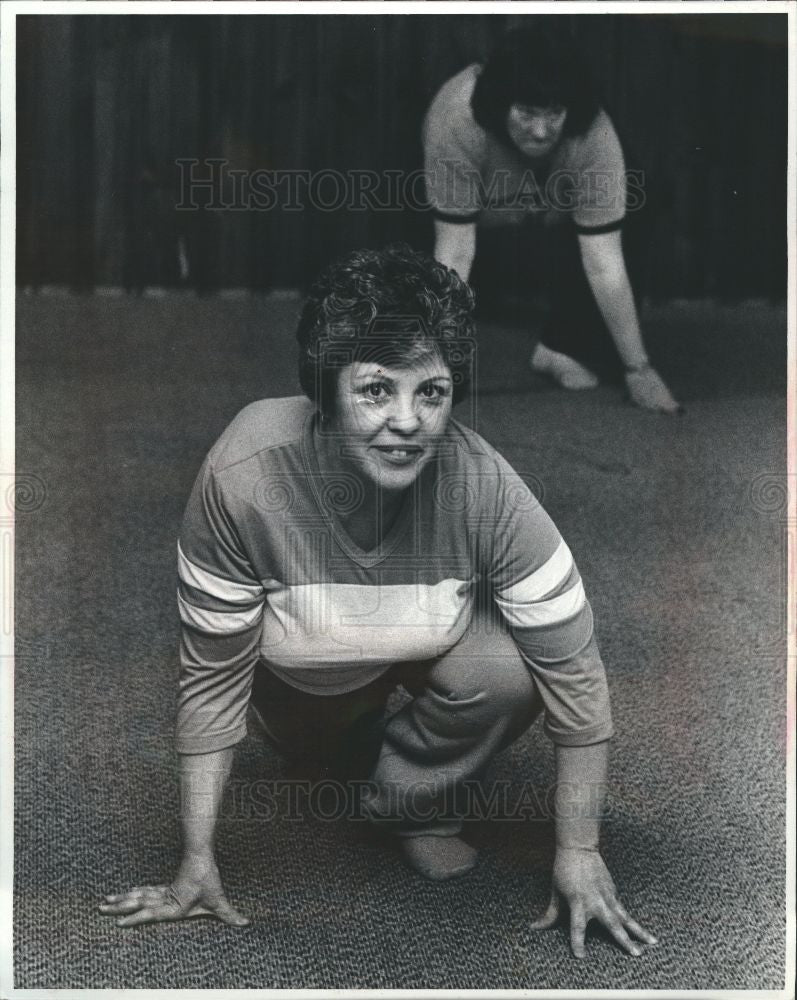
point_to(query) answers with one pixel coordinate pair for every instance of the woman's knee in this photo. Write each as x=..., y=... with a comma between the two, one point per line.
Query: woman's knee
x=491, y=672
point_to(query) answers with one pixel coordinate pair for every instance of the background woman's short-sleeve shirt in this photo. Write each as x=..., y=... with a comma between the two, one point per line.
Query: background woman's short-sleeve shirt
x=471, y=174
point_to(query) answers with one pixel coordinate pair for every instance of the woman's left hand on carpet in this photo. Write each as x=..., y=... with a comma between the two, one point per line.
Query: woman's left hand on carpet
x=648, y=390
x=582, y=880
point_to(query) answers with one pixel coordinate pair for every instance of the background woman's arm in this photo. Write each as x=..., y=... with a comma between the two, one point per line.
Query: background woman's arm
x=604, y=267
x=455, y=245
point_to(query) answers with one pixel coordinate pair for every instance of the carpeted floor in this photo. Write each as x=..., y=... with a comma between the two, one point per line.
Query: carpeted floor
x=677, y=525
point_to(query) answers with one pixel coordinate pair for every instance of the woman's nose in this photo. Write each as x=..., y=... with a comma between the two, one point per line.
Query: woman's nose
x=539, y=129
x=403, y=416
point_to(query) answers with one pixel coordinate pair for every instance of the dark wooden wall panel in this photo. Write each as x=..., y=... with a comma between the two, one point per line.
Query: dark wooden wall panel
x=108, y=104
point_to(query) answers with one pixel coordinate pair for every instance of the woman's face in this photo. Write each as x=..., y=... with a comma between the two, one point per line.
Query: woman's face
x=388, y=420
x=535, y=131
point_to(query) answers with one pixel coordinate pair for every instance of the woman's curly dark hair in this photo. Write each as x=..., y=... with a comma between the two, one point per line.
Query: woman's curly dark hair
x=392, y=306
x=538, y=65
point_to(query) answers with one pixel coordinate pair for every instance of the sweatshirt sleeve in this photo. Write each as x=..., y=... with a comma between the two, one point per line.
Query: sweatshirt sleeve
x=451, y=162
x=538, y=590
x=221, y=603
x=602, y=196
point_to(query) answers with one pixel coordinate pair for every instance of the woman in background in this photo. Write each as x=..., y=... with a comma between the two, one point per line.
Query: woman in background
x=523, y=163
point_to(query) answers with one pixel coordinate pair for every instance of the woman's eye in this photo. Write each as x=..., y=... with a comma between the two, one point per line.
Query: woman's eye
x=434, y=391
x=376, y=391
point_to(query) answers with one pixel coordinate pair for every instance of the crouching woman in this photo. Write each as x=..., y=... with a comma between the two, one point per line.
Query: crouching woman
x=338, y=546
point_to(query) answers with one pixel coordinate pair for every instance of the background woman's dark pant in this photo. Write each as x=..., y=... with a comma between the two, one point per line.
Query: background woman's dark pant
x=538, y=269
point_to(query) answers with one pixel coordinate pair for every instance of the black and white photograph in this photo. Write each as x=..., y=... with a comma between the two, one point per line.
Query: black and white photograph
x=398, y=510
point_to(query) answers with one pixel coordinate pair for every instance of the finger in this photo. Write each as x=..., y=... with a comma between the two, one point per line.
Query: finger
x=669, y=405
x=119, y=897
x=578, y=929
x=123, y=906
x=136, y=891
x=226, y=912
x=139, y=890
x=549, y=918
x=636, y=929
x=612, y=922
x=144, y=916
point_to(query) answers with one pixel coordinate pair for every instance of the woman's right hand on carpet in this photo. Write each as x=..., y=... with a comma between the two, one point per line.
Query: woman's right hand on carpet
x=195, y=892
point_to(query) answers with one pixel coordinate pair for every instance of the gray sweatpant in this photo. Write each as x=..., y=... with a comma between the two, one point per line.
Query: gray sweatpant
x=465, y=706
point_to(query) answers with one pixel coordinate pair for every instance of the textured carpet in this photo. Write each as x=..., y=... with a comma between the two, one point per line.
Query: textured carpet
x=677, y=526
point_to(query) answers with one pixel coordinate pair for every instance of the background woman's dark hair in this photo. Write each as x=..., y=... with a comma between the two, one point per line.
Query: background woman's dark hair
x=391, y=306
x=539, y=65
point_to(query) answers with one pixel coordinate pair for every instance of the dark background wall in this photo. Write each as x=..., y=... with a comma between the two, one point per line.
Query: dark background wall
x=108, y=104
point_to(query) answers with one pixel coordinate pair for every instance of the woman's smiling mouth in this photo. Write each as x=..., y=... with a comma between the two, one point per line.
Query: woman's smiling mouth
x=399, y=454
